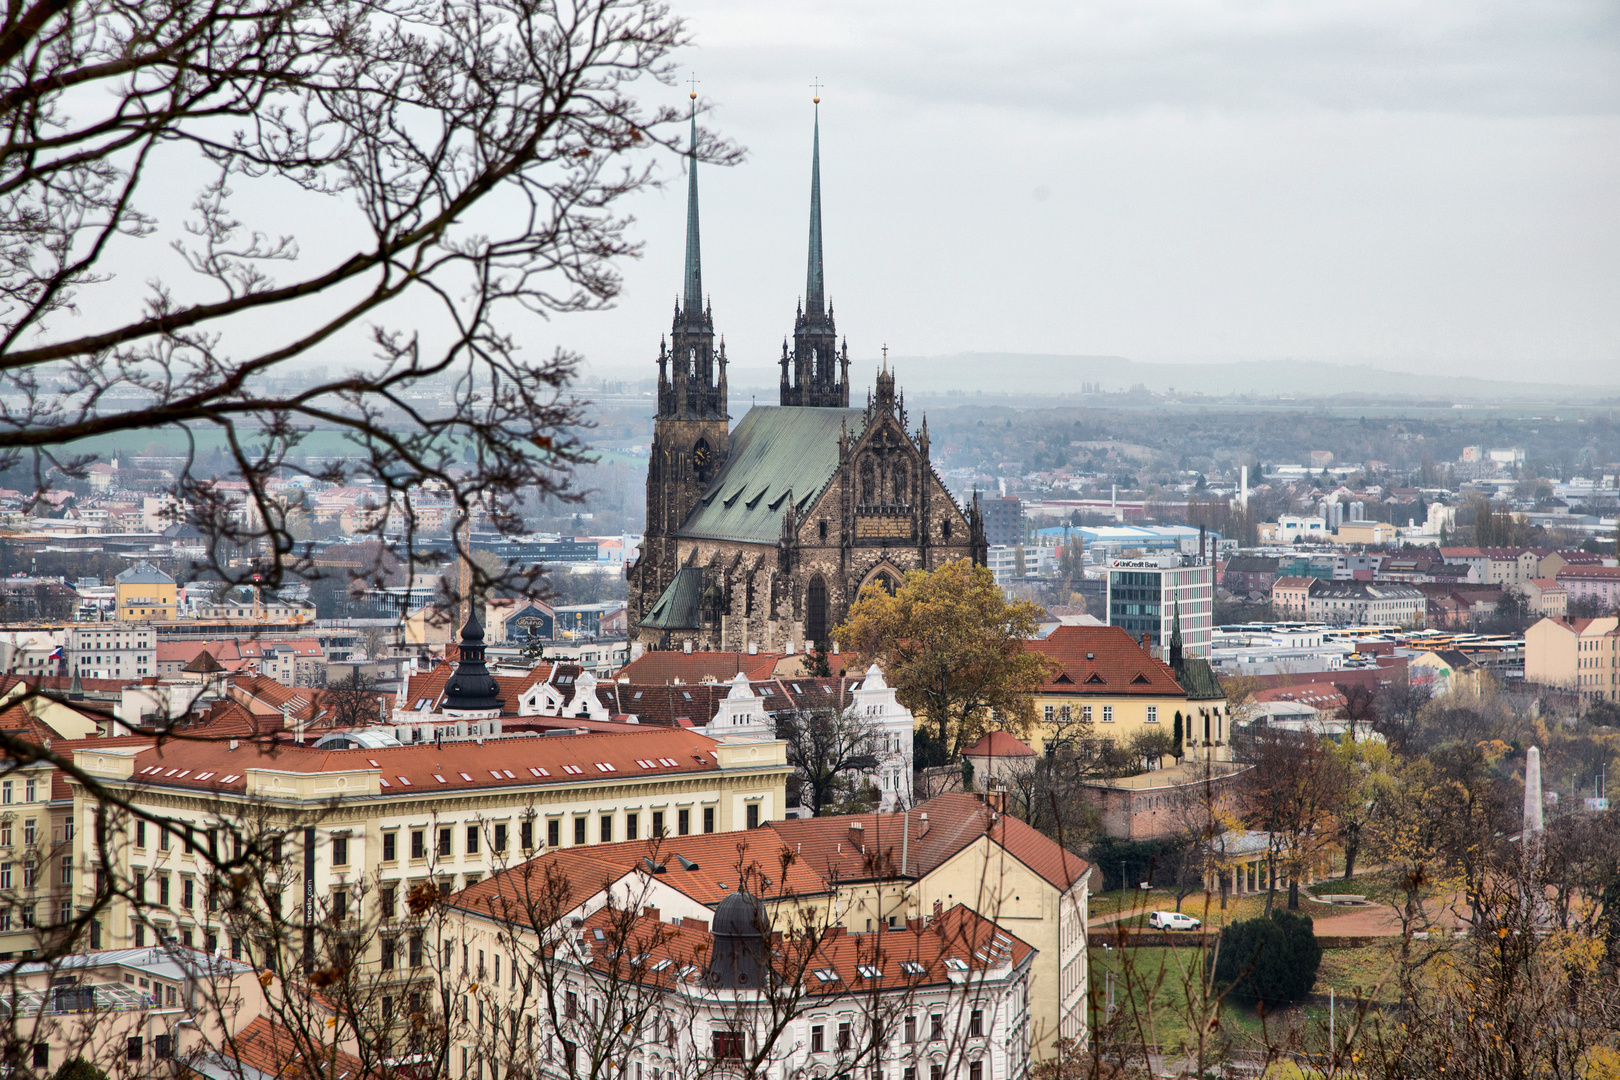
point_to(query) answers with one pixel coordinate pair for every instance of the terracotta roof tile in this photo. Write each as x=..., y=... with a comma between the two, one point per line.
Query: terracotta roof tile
x=839, y=853
x=999, y=744
x=1103, y=660
x=667, y=666
x=428, y=686
x=277, y=1052
x=208, y=762
x=917, y=956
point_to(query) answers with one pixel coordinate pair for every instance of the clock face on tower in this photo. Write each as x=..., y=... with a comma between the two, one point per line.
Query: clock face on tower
x=702, y=457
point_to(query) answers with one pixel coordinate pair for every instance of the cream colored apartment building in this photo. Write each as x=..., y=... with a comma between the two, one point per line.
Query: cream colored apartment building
x=357, y=829
x=1575, y=654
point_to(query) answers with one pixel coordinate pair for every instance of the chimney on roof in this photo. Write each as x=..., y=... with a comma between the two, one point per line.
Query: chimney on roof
x=650, y=912
x=857, y=833
x=924, y=831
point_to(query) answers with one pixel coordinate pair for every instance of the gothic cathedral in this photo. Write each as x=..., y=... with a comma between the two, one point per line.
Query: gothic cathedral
x=763, y=536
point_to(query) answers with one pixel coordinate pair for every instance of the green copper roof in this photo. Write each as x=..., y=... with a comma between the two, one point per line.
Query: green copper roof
x=814, y=292
x=774, y=450
x=694, y=260
x=679, y=606
x=1198, y=679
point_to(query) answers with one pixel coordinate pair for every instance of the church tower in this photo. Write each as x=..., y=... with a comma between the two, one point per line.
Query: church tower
x=819, y=368
x=691, y=434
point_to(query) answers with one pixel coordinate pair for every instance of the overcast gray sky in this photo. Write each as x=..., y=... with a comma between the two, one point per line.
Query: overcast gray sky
x=1409, y=182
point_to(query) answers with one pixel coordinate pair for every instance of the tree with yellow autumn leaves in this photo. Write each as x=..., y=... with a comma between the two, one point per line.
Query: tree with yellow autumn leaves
x=952, y=646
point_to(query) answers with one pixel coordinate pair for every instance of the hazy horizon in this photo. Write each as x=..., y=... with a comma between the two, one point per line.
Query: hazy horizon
x=1429, y=187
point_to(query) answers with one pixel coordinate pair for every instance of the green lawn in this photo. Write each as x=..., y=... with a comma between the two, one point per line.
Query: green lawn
x=1156, y=990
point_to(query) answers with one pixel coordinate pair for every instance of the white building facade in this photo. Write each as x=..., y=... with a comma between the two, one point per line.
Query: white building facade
x=112, y=651
x=746, y=714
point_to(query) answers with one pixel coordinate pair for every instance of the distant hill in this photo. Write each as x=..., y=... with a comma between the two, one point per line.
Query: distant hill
x=1029, y=373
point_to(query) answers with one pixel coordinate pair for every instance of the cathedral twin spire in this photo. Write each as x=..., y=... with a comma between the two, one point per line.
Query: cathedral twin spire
x=691, y=373
x=694, y=253
x=820, y=368
x=815, y=372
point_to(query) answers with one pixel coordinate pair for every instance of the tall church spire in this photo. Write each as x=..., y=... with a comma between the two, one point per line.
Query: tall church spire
x=691, y=372
x=816, y=372
x=815, y=299
x=694, y=256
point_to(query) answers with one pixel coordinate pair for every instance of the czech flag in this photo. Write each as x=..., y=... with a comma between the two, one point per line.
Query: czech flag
x=55, y=655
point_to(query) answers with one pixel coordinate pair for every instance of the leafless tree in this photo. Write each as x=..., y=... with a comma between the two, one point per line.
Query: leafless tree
x=829, y=750
x=394, y=194
x=353, y=700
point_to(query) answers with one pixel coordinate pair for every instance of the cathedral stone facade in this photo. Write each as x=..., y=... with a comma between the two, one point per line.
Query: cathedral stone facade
x=763, y=536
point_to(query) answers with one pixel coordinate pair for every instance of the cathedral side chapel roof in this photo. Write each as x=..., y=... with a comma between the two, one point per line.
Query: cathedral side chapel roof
x=774, y=450
x=680, y=605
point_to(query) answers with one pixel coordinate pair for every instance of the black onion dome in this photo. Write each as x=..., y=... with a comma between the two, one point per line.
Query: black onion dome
x=741, y=934
x=740, y=915
x=472, y=688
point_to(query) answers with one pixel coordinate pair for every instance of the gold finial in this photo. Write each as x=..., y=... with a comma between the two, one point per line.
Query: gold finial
x=816, y=87
x=694, y=81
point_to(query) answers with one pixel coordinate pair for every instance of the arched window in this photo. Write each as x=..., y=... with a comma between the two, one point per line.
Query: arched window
x=945, y=528
x=815, y=610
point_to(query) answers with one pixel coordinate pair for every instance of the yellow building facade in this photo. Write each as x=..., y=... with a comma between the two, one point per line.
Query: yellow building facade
x=1110, y=688
x=145, y=594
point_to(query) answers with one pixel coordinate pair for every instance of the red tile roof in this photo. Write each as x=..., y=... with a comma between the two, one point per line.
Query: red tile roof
x=1588, y=573
x=1103, y=660
x=999, y=744
x=277, y=1052
x=427, y=687
x=955, y=941
x=708, y=867
x=668, y=666
x=228, y=653
x=841, y=853
x=669, y=703
x=208, y=762
x=1293, y=582
x=782, y=859
x=1316, y=695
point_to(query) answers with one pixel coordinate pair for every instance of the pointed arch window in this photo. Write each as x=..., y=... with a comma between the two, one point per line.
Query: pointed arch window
x=815, y=610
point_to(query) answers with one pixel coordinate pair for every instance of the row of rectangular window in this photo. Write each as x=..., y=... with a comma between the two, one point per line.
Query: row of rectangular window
x=210, y=940
x=8, y=791
x=1067, y=714
x=444, y=838
x=210, y=840
x=936, y=1030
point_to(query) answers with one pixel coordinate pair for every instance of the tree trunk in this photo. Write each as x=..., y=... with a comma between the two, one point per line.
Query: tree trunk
x=1271, y=882
x=1293, y=894
x=1352, y=848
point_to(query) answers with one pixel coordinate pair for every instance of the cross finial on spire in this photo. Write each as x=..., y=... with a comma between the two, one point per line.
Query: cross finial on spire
x=694, y=260
x=885, y=356
x=815, y=298
x=693, y=80
x=815, y=86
